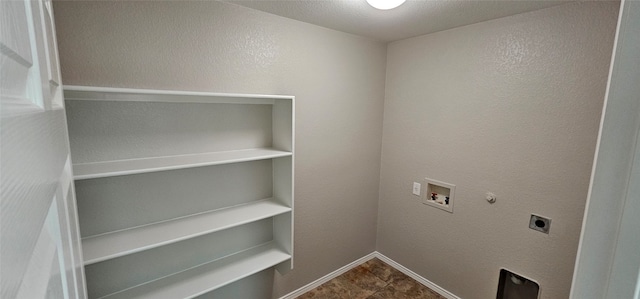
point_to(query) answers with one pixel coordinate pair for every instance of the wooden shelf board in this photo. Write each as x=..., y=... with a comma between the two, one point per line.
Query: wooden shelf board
x=115, y=244
x=95, y=170
x=207, y=277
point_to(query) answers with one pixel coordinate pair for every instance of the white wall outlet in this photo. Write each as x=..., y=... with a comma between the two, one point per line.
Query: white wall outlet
x=416, y=188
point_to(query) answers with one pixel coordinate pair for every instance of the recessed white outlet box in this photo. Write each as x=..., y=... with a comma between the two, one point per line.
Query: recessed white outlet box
x=416, y=188
x=439, y=194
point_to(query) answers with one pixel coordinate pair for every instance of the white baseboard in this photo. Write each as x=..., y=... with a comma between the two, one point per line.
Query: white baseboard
x=362, y=260
x=330, y=276
x=414, y=275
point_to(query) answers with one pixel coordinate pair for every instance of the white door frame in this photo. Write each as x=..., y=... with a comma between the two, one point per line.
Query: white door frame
x=608, y=259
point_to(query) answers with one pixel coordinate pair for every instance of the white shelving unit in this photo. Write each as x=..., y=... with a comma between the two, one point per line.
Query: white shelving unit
x=180, y=193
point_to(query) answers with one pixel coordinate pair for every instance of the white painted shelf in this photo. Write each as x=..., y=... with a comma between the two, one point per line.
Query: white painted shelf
x=95, y=170
x=92, y=93
x=111, y=245
x=207, y=277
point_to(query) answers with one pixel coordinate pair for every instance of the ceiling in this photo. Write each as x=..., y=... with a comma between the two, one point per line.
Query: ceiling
x=413, y=18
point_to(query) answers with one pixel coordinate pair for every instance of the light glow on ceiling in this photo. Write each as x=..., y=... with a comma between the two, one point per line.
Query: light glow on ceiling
x=385, y=4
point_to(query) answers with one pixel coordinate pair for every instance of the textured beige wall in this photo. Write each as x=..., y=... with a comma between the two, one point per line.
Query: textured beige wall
x=510, y=106
x=338, y=80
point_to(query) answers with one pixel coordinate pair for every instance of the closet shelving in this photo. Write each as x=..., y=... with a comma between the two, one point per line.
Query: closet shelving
x=207, y=277
x=119, y=243
x=142, y=165
x=180, y=193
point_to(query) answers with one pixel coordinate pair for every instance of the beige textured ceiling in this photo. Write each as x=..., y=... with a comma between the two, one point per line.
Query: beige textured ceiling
x=415, y=17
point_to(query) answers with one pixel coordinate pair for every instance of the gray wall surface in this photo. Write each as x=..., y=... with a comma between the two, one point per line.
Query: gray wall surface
x=510, y=106
x=337, y=78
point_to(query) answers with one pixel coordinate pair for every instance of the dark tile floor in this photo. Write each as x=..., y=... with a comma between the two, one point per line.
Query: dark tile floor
x=372, y=280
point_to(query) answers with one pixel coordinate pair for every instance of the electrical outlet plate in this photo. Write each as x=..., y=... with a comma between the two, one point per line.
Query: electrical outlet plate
x=439, y=194
x=416, y=188
x=540, y=223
